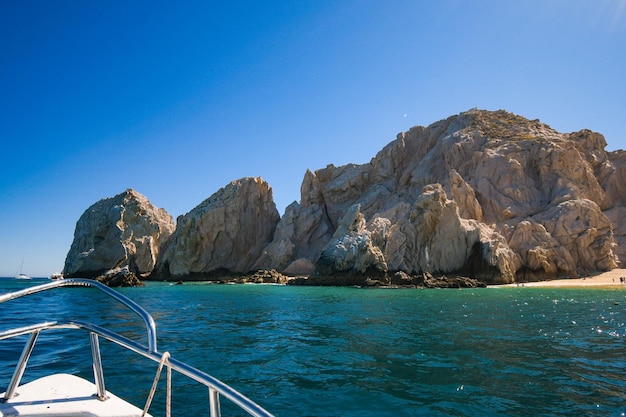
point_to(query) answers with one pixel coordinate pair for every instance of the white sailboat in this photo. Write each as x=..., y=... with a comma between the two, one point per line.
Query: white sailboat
x=20, y=274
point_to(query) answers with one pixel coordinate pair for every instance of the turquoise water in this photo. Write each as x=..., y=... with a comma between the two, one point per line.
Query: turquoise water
x=301, y=351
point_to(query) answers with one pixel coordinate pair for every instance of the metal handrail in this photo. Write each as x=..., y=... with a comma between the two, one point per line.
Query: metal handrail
x=78, y=282
x=215, y=385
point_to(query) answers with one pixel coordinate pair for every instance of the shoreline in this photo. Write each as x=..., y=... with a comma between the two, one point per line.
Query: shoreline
x=609, y=279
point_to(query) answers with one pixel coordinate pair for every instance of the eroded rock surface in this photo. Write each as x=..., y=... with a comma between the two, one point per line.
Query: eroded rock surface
x=489, y=193
x=122, y=231
x=226, y=233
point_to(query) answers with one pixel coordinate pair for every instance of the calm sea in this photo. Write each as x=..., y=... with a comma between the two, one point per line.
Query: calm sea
x=301, y=351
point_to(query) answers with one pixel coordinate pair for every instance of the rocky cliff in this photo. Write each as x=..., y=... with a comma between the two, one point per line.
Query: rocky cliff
x=225, y=234
x=484, y=194
x=122, y=231
x=489, y=194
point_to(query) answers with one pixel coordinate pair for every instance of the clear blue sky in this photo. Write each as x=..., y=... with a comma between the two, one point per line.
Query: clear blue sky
x=176, y=99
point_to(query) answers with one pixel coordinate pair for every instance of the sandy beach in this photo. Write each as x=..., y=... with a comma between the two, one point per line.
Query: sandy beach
x=605, y=279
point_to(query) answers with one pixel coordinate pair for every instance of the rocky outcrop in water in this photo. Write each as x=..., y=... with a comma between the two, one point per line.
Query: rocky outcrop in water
x=491, y=194
x=484, y=194
x=266, y=276
x=122, y=231
x=225, y=234
x=120, y=277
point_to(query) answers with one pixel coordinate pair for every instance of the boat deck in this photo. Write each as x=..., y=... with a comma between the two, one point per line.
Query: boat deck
x=67, y=395
x=64, y=395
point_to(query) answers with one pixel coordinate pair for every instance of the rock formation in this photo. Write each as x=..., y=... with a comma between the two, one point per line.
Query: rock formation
x=492, y=194
x=264, y=276
x=484, y=195
x=225, y=234
x=120, y=277
x=353, y=252
x=122, y=231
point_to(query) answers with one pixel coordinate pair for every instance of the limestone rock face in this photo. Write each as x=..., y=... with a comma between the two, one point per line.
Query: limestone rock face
x=487, y=195
x=122, y=231
x=585, y=232
x=617, y=217
x=615, y=185
x=489, y=192
x=429, y=236
x=572, y=238
x=353, y=248
x=225, y=233
x=465, y=197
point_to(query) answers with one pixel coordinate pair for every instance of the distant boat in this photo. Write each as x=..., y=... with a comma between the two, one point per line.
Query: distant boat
x=56, y=275
x=20, y=274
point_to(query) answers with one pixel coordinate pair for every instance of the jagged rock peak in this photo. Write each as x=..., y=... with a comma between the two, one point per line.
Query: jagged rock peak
x=498, y=169
x=122, y=231
x=225, y=234
x=501, y=124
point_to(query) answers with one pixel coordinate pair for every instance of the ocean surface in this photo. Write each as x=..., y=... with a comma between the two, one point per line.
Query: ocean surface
x=301, y=351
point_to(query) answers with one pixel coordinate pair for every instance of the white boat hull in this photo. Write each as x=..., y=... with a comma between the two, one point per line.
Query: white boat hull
x=64, y=395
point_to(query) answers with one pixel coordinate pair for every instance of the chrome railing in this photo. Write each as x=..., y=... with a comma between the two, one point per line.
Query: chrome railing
x=215, y=386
